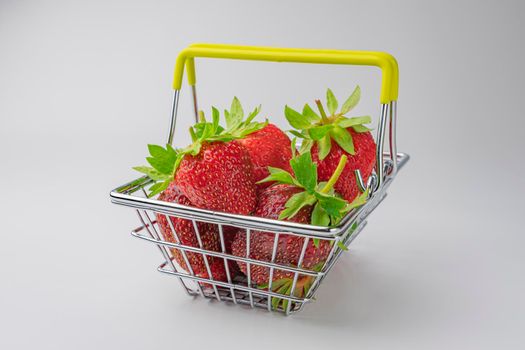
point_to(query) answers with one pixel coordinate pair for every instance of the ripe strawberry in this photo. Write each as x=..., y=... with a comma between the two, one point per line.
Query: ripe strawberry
x=215, y=172
x=363, y=159
x=219, y=178
x=300, y=199
x=272, y=201
x=269, y=146
x=209, y=235
x=331, y=137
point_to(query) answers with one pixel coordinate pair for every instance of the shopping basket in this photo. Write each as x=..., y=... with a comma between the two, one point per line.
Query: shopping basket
x=240, y=289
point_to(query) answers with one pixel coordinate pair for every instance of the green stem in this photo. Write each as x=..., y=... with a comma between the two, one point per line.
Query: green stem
x=321, y=110
x=202, y=118
x=335, y=176
x=192, y=134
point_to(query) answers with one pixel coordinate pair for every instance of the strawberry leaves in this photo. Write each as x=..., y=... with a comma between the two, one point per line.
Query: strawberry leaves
x=235, y=114
x=310, y=115
x=322, y=128
x=296, y=119
x=281, y=176
x=305, y=171
x=331, y=101
x=165, y=161
x=343, y=138
x=318, y=132
x=296, y=203
x=346, y=123
x=328, y=208
x=236, y=125
x=158, y=187
x=162, y=159
x=283, y=286
x=150, y=172
x=351, y=101
x=324, y=145
x=320, y=217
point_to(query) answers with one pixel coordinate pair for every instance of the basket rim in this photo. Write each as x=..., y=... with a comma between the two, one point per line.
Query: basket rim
x=122, y=195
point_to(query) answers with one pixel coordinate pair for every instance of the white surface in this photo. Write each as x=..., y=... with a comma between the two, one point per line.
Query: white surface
x=84, y=86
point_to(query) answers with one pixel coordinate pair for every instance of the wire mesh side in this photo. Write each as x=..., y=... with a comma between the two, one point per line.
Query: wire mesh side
x=235, y=286
x=241, y=287
x=152, y=232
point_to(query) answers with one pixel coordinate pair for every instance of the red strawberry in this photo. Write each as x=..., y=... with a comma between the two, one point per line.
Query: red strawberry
x=209, y=235
x=219, y=178
x=215, y=172
x=363, y=159
x=269, y=146
x=299, y=198
x=271, y=203
x=330, y=137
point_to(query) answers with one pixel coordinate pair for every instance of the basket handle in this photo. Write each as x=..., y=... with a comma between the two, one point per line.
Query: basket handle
x=386, y=62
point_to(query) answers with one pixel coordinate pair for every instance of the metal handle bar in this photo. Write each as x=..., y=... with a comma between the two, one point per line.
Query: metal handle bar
x=385, y=61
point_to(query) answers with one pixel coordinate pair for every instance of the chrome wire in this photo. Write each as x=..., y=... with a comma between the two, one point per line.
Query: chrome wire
x=270, y=279
x=183, y=252
x=226, y=263
x=248, y=272
x=248, y=295
x=318, y=278
x=331, y=261
x=245, y=294
x=380, y=142
x=225, y=286
x=125, y=195
x=296, y=275
x=205, y=258
x=173, y=121
x=392, y=136
x=223, y=255
x=195, y=105
x=162, y=249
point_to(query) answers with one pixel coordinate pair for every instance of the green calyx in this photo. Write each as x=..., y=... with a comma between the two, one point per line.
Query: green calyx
x=322, y=128
x=328, y=207
x=283, y=286
x=165, y=161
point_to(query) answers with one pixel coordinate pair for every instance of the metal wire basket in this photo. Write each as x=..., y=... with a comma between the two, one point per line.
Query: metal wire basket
x=240, y=289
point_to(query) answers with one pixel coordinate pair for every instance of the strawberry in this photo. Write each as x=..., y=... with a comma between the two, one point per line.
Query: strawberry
x=271, y=203
x=209, y=235
x=363, y=159
x=331, y=137
x=219, y=178
x=215, y=172
x=269, y=146
x=299, y=198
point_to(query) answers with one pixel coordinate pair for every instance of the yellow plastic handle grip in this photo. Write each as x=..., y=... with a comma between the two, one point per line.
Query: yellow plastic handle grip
x=385, y=61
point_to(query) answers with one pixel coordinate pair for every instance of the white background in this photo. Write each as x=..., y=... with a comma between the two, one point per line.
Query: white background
x=84, y=86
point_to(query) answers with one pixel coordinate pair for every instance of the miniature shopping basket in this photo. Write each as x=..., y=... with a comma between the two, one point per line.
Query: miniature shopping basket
x=241, y=290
